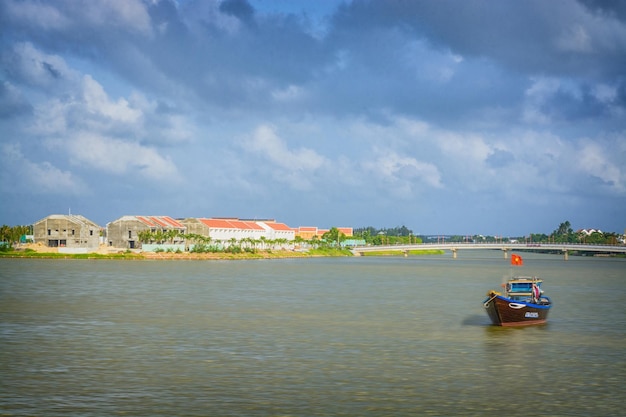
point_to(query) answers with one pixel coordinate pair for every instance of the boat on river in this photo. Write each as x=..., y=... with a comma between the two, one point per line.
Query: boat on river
x=522, y=303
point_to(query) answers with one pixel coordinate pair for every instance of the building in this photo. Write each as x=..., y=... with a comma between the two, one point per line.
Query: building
x=276, y=231
x=348, y=231
x=224, y=229
x=67, y=231
x=308, y=232
x=588, y=232
x=125, y=231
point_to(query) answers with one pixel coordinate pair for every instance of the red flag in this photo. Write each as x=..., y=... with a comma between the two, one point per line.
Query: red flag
x=516, y=260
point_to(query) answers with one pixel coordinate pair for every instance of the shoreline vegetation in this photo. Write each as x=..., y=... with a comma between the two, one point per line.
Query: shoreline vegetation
x=47, y=253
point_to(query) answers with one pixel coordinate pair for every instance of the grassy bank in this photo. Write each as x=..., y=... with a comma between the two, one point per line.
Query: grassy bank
x=400, y=253
x=56, y=255
x=274, y=254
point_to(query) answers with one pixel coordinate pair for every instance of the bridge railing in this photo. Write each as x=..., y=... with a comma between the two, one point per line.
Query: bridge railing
x=493, y=245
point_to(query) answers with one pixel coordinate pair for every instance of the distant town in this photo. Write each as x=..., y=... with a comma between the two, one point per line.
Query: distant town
x=73, y=233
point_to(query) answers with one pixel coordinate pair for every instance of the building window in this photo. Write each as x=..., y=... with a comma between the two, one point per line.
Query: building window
x=91, y=233
x=72, y=232
x=49, y=232
x=130, y=234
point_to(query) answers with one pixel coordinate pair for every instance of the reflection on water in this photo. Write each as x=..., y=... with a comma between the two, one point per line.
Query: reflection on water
x=311, y=337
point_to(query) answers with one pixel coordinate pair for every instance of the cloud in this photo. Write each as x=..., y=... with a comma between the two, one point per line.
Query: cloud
x=12, y=101
x=131, y=15
x=118, y=157
x=595, y=162
x=98, y=103
x=37, y=14
x=25, y=64
x=23, y=175
x=293, y=166
x=403, y=174
x=241, y=9
x=269, y=103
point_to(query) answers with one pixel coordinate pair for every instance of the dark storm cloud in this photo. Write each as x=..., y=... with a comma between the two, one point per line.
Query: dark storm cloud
x=534, y=36
x=241, y=9
x=612, y=8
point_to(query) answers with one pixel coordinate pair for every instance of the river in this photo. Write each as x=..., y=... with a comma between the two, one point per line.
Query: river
x=307, y=337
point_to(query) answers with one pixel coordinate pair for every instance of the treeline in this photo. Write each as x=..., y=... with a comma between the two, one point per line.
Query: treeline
x=400, y=235
x=562, y=234
x=205, y=244
x=10, y=236
x=565, y=234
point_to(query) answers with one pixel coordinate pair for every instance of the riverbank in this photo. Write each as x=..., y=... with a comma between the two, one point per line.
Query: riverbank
x=410, y=253
x=42, y=253
x=103, y=252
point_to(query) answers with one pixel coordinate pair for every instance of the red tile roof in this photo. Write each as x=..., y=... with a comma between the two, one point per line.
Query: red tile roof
x=163, y=221
x=279, y=226
x=230, y=224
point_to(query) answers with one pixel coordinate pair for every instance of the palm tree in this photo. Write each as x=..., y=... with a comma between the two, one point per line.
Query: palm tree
x=144, y=236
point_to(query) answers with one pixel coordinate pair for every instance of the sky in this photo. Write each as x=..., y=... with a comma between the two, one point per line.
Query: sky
x=499, y=118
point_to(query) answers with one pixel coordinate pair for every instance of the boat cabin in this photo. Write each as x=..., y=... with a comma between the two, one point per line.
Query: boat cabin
x=521, y=288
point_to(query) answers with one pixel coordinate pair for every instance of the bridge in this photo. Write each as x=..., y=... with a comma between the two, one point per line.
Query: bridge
x=564, y=248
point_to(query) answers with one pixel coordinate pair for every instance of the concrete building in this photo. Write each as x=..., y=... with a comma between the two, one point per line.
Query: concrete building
x=67, y=231
x=124, y=232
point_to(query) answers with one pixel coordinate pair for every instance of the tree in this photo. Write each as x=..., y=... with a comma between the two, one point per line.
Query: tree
x=564, y=233
x=564, y=229
x=334, y=237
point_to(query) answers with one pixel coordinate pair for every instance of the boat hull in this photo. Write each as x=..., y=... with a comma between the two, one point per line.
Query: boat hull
x=507, y=312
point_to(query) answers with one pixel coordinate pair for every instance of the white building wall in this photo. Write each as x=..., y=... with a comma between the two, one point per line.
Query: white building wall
x=273, y=234
x=239, y=234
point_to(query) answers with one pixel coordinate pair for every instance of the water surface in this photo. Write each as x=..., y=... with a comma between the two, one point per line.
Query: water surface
x=307, y=337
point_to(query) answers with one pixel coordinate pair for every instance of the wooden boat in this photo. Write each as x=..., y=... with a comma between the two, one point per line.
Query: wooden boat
x=522, y=304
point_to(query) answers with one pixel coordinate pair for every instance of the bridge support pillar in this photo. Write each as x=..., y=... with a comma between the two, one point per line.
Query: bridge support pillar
x=454, y=253
x=506, y=253
x=406, y=253
x=565, y=255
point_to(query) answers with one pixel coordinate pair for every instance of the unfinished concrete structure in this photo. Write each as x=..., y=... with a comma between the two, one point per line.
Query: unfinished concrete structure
x=67, y=231
x=124, y=232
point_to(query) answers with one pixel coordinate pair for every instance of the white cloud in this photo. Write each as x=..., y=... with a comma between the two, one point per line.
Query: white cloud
x=130, y=15
x=20, y=173
x=266, y=142
x=98, y=103
x=38, y=14
x=50, y=118
x=403, y=173
x=118, y=157
x=38, y=68
x=594, y=160
x=288, y=94
x=535, y=96
x=295, y=167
